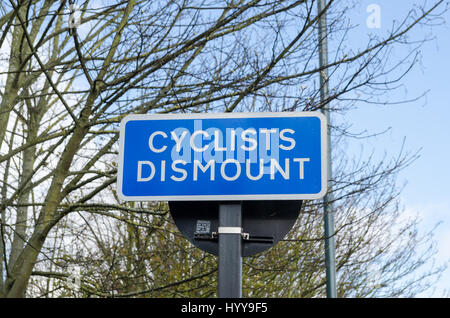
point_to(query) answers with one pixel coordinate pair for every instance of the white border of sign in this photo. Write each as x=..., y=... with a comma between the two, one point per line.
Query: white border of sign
x=324, y=145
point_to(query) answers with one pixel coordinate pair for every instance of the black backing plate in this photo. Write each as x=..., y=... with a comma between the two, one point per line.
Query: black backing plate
x=259, y=218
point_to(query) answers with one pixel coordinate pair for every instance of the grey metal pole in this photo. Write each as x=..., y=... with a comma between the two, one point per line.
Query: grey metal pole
x=230, y=251
x=330, y=246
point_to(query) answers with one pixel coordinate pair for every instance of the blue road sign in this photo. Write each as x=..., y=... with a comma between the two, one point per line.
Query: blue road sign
x=237, y=156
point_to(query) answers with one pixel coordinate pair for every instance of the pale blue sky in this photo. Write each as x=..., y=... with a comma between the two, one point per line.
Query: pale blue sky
x=425, y=123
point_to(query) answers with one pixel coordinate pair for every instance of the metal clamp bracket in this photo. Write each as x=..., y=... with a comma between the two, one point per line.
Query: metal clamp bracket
x=229, y=230
x=213, y=236
x=234, y=230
